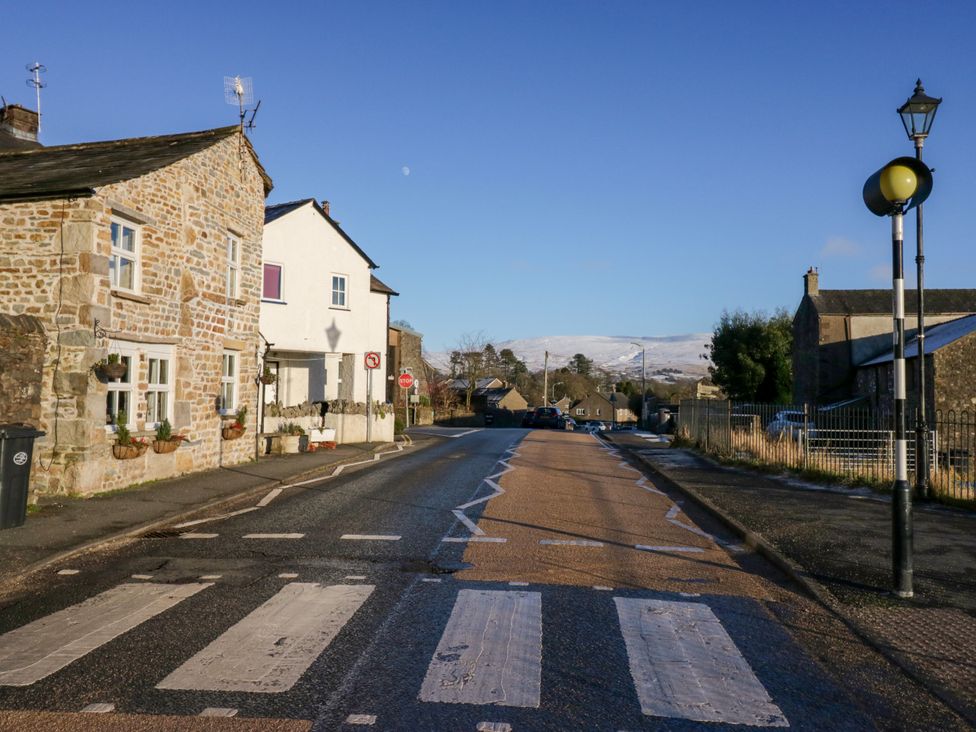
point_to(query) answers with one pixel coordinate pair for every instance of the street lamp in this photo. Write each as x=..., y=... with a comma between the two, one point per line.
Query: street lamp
x=643, y=382
x=902, y=184
x=613, y=410
x=917, y=115
x=553, y=397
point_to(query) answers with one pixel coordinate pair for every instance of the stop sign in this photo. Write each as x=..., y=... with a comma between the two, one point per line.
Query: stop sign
x=405, y=380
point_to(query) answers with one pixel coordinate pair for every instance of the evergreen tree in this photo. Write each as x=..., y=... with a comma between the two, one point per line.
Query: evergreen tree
x=751, y=356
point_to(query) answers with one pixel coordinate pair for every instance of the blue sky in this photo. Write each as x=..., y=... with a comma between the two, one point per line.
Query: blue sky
x=592, y=167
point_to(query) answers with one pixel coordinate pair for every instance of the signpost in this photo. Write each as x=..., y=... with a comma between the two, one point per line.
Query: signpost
x=372, y=362
x=406, y=381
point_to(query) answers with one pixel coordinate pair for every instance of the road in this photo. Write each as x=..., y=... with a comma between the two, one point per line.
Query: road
x=483, y=580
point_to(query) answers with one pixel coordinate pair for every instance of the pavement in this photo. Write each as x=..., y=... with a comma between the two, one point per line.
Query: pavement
x=836, y=542
x=64, y=526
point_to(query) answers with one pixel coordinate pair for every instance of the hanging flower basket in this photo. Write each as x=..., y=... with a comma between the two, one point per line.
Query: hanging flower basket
x=127, y=452
x=232, y=433
x=110, y=369
x=161, y=447
x=267, y=379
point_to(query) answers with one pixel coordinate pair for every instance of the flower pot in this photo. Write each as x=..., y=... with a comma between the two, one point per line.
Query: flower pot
x=126, y=452
x=290, y=444
x=231, y=433
x=161, y=447
x=114, y=370
x=266, y=380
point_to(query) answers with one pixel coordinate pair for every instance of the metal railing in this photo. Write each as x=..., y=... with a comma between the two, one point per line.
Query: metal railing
x=851, y=443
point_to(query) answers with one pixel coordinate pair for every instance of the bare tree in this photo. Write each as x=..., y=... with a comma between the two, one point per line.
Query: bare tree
x=472, y=362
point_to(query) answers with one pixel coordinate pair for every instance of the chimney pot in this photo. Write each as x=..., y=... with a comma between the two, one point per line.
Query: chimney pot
x=325, y=207
x=19, y=122
x=811, y=282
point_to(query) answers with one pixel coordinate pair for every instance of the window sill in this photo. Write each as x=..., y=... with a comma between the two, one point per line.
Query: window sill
x=339, y=307
x=274, y=302
x=125, y=295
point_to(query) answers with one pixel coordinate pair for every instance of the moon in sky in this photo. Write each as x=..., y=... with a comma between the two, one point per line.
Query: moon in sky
x=405, y=170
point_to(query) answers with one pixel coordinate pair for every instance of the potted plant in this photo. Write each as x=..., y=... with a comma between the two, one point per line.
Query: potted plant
x=236, y=428
x=267, y=376
x=111, y=367
x=165, y=440
x=126, y=446
x=291, y=435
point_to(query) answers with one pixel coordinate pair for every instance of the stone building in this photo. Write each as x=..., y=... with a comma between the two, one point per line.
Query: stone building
x=149, y=248
x=835, y=330
x=598, y=407
x=405, y=353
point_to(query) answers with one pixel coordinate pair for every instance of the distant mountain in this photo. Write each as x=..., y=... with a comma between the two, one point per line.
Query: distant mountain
x=668, y=357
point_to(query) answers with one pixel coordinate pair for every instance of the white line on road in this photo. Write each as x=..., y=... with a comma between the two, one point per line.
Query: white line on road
x=68, y=572
x=602, y=588
x=371, y=537
x=142, y=576
x=686, y=666
x=519, y=584
x=363, y=719
x=490, y=652
x=288, y=575
x=222, y=516
x=219, y=712
x=494, y=727
x=498, y=491
x=38, y=649
x=272, y=494
x=274, y=536
x=686, y=549
x=98, y=708
x=355, y=577
x=467, y=539
x=571, y=542
x=468, y=523
x=269, y=650
x=210, y=576
x=198, y=536
x=431, y=579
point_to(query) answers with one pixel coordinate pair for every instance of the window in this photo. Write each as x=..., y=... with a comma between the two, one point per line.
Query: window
x=580, y=412
x=123, y=265
x=272, y=282
x=339, y=291
x=119, y=396
x=159, y=398
x=228, y=382
x=233, y=266
x=597, y=411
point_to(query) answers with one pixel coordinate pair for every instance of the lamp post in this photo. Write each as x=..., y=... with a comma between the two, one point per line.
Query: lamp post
x=902, y=184
x=613, y=410
x=917, y=115
x=643, y=382
x=552, y=398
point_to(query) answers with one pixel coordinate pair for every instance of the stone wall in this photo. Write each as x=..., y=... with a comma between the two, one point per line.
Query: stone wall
x=54, y=264
x=955, y=378
x=22, y=345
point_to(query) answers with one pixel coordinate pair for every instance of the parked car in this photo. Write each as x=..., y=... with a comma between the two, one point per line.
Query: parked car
x=567, y=423
x=789, y=424
x=528, y=419
x=547, y=417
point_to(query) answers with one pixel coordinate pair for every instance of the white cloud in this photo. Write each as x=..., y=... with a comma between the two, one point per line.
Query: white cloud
x=840, y=246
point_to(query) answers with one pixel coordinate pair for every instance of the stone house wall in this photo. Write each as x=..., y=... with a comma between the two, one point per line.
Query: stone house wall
x=22, y=347
x=955, y=378
x=54, y=264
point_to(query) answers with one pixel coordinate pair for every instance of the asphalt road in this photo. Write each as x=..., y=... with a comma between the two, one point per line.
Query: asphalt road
x=571, y=594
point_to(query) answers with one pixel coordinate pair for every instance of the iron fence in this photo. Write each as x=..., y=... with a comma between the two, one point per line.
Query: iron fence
x=848, y=442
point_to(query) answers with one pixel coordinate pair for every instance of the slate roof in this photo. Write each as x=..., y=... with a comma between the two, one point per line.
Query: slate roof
x=276, y=211
x=377, y=285
x=77, y=170
x=10, y=143
x=479, y=385
x=936, y=337
x=878, y=302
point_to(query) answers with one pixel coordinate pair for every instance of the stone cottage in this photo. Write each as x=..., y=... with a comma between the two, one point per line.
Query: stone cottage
x=148, y=248
x=835, y=330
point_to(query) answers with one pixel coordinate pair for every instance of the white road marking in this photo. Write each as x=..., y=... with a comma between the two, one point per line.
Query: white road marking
x=604, y=588
x=222, y=516
x=686, y=666
x=98, y=708
x=269, y=650
x=687, y=549
x=490, y=652
x=672, y=512
x=38, y=649
x=142, y=576
x=430, y=579
x=571, y=542
x=219, y=712
x=467, y=539
x=494, y=727
x=468, y=523
x=498, y=491
x=68, y=572
x=274, y=536
x=210, y=576
x=288, y=575
x=519, y=584
x=371, y=537
x=272, y=494
x=199, y=536
x=363, y=719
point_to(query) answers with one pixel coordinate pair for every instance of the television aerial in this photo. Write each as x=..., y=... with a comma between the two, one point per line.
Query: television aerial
x=239, y=90
x=37, y=69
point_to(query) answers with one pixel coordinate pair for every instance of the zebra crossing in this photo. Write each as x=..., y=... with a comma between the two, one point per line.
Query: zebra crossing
x=681, y=663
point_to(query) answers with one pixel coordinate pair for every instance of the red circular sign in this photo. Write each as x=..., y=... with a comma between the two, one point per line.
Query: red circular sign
x=372, y=360
x=405, y=380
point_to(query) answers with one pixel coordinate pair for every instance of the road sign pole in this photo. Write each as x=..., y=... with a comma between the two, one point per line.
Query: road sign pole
x=369, y=405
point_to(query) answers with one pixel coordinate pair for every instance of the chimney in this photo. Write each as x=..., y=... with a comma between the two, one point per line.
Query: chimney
x=19, y=122
x=811, y=282
x=325, y=207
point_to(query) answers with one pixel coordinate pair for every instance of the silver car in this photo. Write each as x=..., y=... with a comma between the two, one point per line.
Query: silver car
x=790, y=424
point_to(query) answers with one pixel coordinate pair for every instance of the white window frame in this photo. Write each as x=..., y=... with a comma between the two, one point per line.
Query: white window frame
x=281, y=282
x=580, y=412
x=159, y=353
x=135, y=256
x=229, y=380
x=344, y=291
x=116, y=386
x=233, y=254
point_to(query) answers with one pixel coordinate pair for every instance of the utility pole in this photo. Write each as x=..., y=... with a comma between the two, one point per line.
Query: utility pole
x=545, y=379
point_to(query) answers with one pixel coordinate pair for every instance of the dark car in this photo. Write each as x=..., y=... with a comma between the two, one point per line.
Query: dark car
x=547, y=417
x=528, y=419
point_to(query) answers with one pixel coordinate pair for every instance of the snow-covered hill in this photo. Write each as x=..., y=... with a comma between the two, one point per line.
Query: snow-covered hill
x=668, y=357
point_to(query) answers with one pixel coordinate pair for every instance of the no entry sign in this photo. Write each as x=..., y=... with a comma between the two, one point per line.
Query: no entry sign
x=405, y=380
x=372, y=360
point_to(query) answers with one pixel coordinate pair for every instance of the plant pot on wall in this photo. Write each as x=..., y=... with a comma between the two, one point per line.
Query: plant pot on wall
x=232, y=433
x=127, y=452
x=110, y=369
x=162, y=447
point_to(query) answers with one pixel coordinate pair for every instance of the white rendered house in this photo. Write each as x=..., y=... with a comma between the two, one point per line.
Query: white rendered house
x=321, y=309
